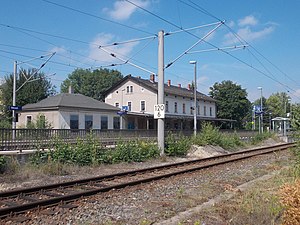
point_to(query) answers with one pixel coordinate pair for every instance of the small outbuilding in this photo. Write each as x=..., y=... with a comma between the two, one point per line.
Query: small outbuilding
x=71, y=111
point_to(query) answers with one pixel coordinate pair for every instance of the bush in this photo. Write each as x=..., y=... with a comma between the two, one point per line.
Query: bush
x=209, y=135
x=89, y=152
x=3, y=164
x=177, y=146
x=260, y=137
x=134, y=151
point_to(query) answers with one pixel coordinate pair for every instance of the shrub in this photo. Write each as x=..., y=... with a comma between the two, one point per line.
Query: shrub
x=209, y=136
x=177, y=146
x=3, y=164
x=133, y=151
x=260, y=137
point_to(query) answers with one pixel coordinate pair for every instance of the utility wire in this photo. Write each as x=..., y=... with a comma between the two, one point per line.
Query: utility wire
x=125, y=61
x=200, y=40
x=206, y=12
x=201, y=9
x=95, y=16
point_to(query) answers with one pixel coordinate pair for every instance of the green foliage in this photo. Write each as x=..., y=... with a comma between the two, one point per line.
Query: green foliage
x=232, y=102
x=40, y=123
x=211, y=135
x=4, y=122
x=89, y=152
x=133, y=151
x=260, y=137
x=295, y=116
x=91, y=83
x=3, y=164
x=31, y=92
x=278, y=104
x=177, y=146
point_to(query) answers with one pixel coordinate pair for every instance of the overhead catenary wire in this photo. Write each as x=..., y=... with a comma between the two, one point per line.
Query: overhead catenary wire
x=243, y=41
x=206, y=12
x=195, y=44
x=125, y=61
x=36, y=71
x=95, y=16
x=218, y=49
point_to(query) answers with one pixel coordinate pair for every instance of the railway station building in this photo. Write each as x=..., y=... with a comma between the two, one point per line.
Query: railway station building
x=136, y=98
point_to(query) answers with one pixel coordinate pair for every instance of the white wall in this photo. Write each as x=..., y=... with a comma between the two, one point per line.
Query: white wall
x=139, y=94
x=61, y=119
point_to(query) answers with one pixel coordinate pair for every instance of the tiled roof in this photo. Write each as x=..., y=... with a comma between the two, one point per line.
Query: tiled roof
x=69, y=101
x=172, y=90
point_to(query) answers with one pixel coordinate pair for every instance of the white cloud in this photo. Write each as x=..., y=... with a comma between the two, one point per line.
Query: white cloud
x=121, y=51
x=248, y=35
x=250, y=30
x=122, y=10
x=248, y=21
x=59, y=50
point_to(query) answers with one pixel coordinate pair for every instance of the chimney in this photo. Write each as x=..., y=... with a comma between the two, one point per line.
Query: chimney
x=179, y=85
x=152, y=78
x=169, y=83
x=71, y=90
x=189, y=87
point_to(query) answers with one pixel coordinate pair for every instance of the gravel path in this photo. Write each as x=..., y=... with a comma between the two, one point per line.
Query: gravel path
x=158, y=201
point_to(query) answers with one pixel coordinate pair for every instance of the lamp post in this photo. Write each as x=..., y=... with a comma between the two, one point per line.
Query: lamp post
x=195, y=96
x=261, y=123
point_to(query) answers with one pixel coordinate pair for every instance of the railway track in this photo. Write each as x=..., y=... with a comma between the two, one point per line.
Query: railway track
x=22, y=200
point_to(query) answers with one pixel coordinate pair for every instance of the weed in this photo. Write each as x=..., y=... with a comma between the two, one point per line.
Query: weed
x=3, y=164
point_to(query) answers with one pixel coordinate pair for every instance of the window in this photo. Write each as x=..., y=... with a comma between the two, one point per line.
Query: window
x=28, y=120
x=104, y=122
x=175, y=107
x=167, y=106
x=129, y=89
x=183, y=108
x=143, y=106
x=191, y=109
x=204, y=110
x=116, y=122
x=129, y=106
x=198, y=109
x=210, y=111
x=74, y=121
x=88, y=122
x=117, y=104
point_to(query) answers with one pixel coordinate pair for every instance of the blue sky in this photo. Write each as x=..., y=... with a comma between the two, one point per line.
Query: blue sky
x=76, y=29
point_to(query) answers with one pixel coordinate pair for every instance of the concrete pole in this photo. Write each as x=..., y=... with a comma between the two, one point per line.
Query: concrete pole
x=14, y=101
x=160, y=93
x=261, y=115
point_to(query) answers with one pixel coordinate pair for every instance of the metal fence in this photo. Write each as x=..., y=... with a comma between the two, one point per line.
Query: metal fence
x=27, y=139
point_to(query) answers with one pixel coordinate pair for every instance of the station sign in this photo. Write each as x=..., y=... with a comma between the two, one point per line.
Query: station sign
x=18, y=108
x=121, y=113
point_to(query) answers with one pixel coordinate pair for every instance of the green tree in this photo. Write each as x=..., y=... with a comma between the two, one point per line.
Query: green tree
x=278, y=104
x=36, y=88
x=295, y=116
x=232, y=102
x=91, y=83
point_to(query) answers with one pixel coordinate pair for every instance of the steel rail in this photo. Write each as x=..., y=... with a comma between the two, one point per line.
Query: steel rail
x=7, y=211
